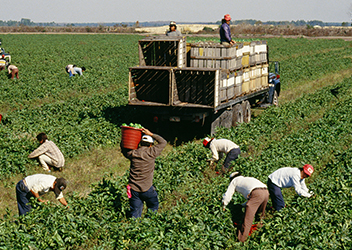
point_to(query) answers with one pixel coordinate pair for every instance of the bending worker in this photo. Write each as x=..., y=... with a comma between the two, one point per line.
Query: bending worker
x=221, y=146
x=48, y=153
x=256, y=195
x=73, y=70
x=285, y=178
x=225, y=32
x=35, y=186
x=142, y=173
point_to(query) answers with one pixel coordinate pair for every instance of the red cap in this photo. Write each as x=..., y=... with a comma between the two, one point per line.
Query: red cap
x=227, y=17
x=206, y=141
x=308, y=169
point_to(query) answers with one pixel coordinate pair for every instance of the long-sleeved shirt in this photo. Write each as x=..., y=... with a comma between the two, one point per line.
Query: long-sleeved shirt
x=173, y=33
x=290, y=177
x=143, y=164
x=41, y=184
x=225, y=33
x=221, y=146
x=243, y=185
x=52, y=151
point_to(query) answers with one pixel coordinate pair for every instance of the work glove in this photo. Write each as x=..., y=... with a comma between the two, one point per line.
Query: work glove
x=211, y=162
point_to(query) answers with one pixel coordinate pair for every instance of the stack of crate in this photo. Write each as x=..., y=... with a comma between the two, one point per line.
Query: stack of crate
x=214, y=55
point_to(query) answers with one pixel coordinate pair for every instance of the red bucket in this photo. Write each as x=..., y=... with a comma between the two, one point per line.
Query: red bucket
x=130, y=137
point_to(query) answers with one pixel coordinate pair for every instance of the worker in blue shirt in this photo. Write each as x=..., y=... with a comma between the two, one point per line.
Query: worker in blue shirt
x=225, y=32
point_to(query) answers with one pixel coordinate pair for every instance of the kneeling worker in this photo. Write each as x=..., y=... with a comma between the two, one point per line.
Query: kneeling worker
x=256, y=195
x=35, y=186
x=48, y=153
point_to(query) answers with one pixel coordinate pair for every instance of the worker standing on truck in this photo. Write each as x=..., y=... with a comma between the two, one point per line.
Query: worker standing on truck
x=257, y=196
x=35, y=186
x=173, y=31
x=142, y=173
x=48, y=153
x=221, y=146
x=225, y=31
x=288, y=177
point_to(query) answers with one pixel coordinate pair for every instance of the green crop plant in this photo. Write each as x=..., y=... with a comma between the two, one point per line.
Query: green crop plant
x=81, y=113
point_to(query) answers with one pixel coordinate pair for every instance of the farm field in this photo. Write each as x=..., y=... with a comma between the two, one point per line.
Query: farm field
x=83, y=114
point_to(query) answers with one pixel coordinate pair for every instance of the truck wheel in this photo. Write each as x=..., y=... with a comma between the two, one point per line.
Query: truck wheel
x=237, y=116
x=275, y=99
x=246, y=108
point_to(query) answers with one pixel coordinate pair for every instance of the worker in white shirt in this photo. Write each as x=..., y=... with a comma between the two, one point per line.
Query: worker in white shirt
x=35, y=186
x=257, y=197
x=288, y=177
x=220, y=146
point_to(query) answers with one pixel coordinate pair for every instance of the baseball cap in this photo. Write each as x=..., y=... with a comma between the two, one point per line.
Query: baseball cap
x=206, y=141
x=147, y=138
x=227, y=17
x=308, y=169
x=60, y=185
x=172, y=23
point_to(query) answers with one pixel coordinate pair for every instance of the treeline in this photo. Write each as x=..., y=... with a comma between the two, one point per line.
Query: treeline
x=29, y=23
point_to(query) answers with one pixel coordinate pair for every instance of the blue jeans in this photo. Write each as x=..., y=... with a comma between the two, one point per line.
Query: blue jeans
x=136, y=201
x=276, y=196
x=231, y=156
x=23, y=195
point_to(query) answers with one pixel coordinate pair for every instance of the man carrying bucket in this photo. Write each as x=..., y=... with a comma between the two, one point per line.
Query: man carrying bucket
x=141, y=175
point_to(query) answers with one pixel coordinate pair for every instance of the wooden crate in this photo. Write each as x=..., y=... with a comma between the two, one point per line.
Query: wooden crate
x=162, y=51
x=238, y=83
x=150, y=85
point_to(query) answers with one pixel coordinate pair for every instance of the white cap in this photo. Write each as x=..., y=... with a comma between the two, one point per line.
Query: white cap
x=147, y=138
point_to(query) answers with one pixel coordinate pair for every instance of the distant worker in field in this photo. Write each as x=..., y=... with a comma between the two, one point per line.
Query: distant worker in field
x=257, y=196
x=35, y=186
x=142, y=173
x=288, y=177
x=173, y=31
x=11, y=69
x=48, y=153
x=220, y=146
x=225, y=31
x=72, y=70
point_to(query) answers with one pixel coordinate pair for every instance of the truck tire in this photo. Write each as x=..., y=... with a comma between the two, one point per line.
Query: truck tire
x=237, y=115
x=275, y=99
x=223, y=120
x=246, y=108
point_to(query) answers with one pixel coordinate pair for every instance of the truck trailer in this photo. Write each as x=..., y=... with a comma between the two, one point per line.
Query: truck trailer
x=205, y=84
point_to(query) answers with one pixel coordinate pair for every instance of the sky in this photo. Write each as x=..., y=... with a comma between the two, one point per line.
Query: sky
x=117, y=11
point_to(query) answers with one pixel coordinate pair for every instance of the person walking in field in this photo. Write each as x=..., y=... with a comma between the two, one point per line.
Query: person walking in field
x=220, y=146
x=74, y=70
x=142, y=173
x=48, y=153
x=225, y=31
x=35, y=186
x=173, y=31
x=257, y=196
x=288, y=177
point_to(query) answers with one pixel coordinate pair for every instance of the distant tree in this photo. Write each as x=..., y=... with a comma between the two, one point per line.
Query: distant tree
x=26, y=22
x=344, y=24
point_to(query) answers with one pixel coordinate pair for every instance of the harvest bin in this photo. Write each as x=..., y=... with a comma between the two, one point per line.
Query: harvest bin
x=130, y=137
x=162, y=51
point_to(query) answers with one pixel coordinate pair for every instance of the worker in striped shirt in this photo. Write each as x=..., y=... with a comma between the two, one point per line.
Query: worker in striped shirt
x=48, y=153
